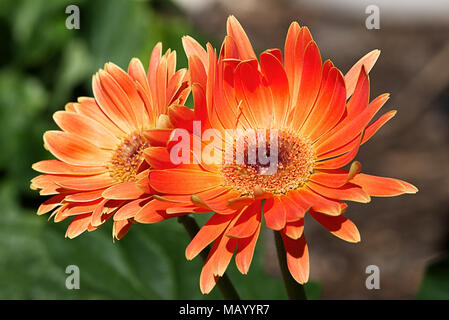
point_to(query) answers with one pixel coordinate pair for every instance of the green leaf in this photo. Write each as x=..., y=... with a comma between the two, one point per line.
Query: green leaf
x=435, y=284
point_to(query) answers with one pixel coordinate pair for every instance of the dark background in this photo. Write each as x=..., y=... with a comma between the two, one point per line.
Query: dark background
x=43, y=65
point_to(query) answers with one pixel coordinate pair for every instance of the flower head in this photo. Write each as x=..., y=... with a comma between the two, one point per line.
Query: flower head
x=321, y=118
x=100, y=171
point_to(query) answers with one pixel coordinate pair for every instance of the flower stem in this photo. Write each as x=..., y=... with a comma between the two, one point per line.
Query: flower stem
x=295, y=291
x=224, y=284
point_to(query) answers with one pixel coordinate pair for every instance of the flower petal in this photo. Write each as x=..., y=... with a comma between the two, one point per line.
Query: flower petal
x=86, y=128
x=235, y=30
x=320, y=203
x=351, y=76
x=86, y=183
x=84, y=196
x=349, y=192
x=194, y=181
x=193, y=48
x=339, y=226
x=60, y=167
x=382, y=186
x=247, y=222
x=297, y=258
x=78, y=225
x=245, y=251
x=50, y=204
x=152, y=212
x=123, y=191
x=74, y=150
x=121, y=228
x=294, y=229
x=213, y=228
x=130, y=209
x=274, y=213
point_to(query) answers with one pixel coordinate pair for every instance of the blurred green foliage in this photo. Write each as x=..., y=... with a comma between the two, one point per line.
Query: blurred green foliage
x=435, y=284
x=43, y=65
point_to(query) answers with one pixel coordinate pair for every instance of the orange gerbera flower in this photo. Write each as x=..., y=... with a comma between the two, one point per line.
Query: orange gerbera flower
x=321, y=118
x=100, y=171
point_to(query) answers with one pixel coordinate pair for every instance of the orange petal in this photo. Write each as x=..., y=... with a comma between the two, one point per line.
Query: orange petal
x=277, y=80
x=294, y=58
x=213, y=228
x=84, y=196
x=123, y=191
x=78, y=225
x=194, y=181
x=219, y=203
x=88, y=107
x=207, y=277
x=349, y=191
x=86, y=183
x=295, y=206
x=197, y=71
x=121, y=228
x=74, y=150
x=320, y=203
x=130, y=209
x=250, y=91
x=50, y=204
x=117, y=113
x=158, y=158
x=294, y=229
x=339, y=161
x=336, y=177
x=247, y=222
x=339, y=226
x=235, y=30
x=193, y=48
x=86, y=128
x=182, y=117
x=158, y=137
x=289, y=53
x=60, y=167
x=329, y=107
x=274, y=213
x=351, y=76
x=127, y=92
x=297, y=258
x=74, y=209
x=116, y=98
x=309, y=85
x=349, y=127
x=372, y=128
x=382, y=186
x=152, y=212
x=179, y=209
x=360, y=99
x=245, y=251
x=99, y=214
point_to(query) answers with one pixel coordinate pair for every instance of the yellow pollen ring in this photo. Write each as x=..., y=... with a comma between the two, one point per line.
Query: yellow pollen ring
x=296, y=160
x=127, y=158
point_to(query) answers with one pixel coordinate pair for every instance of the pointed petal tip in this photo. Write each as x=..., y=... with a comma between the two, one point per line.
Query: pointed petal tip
x=409, y=188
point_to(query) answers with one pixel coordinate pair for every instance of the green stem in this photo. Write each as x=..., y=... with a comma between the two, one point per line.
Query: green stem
x=224, y=284
x=295, y=291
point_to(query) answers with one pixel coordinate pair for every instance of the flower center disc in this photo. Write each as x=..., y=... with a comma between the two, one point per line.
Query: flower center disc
x=288, y=168
x=127, y=158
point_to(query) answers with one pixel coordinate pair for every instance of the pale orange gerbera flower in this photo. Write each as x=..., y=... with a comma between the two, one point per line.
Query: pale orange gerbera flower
x=100, y=171
x=321, y=116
